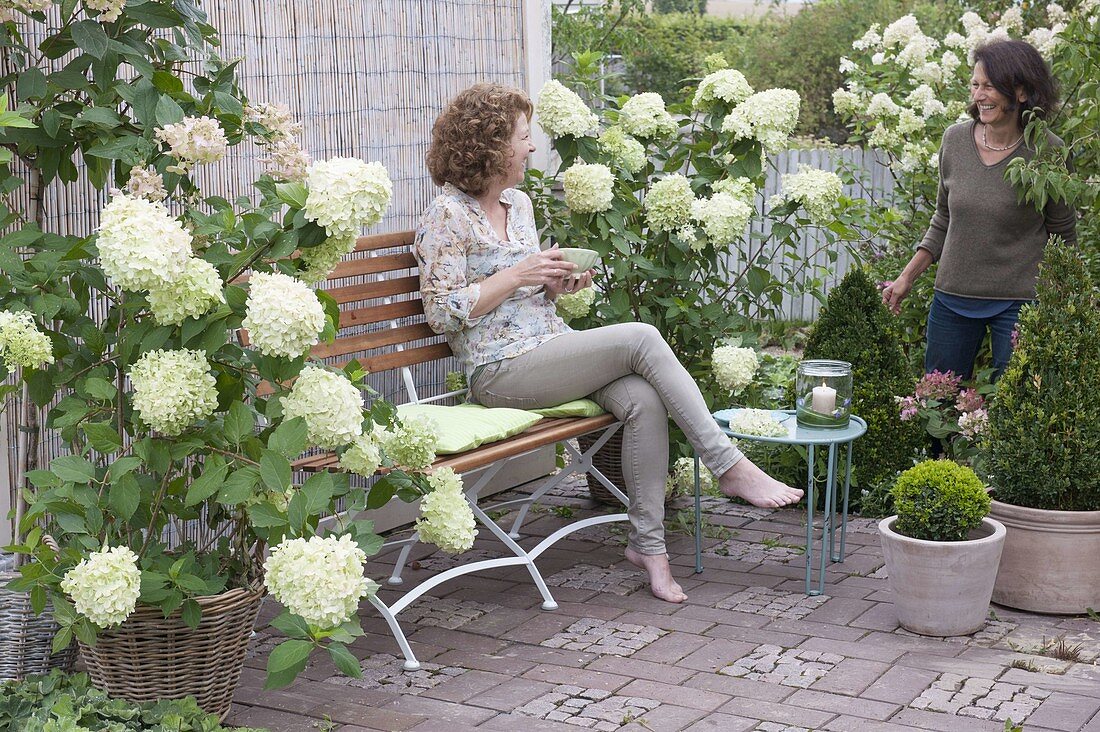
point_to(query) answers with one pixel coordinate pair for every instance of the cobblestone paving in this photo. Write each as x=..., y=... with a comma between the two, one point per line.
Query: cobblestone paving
x=980, y=698
x=772, y=603
x=606, y=534
x=859, y=525
x=786, y=666
x=441, y=562
x=747, y=651
x=604, y=637
x=592, y=708
x=725, y=507
x=383, y=671
x=619, y=580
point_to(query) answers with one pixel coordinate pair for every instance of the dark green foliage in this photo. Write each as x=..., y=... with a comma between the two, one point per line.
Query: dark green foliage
x=1044, y=424
x=62, y=702
x=854, y=326
x=680, y=6
x=939, y=500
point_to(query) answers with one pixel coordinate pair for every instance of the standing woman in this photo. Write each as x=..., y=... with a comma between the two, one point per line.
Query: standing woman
x=487, y=284
x=987, y=243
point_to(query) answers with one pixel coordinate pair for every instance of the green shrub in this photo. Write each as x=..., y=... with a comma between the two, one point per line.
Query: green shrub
x=1044, y=423
x=680, y=6
x=854, y=326
x=58, y=703
x=939, y=500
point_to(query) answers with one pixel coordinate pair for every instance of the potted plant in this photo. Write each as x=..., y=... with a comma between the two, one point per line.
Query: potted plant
x=941, y=549
x=1044, y=445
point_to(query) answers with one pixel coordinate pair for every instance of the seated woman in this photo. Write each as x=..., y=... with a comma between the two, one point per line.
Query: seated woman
x=490, y=288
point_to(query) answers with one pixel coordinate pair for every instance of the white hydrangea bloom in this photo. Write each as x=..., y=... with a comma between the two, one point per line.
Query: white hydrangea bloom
x=817, y=190
x=973, y=23
x=1045, y=40
x=769, y=116
x=330, y=404
x=346, y=194
x=884, y=137
x=27, y=6
x=22, y=344
x=743, y=189
x=644, y=115
x=412, y=443
x=105, y=586
x=846, y=103
x=974, y=424
x=283, y=316
x=917, y=51
x=588, y=187
x=689, y=235
x=286, y=161
x=145, y=183
x=882, y=106
x=734, y=367
x=560, y=112
x=445, y=516
x=681, y=479
x=1056, y=13
x=1012, y=19
x=668, y=204
x=954, y=40
x=173, y=389
x=276, y=118
x=194, y=140
x=727, y=86
x=870, y=40
x=923, y=101
x=626, y=152
x=140, y=245
x=320, y=260
x=878, y=59
x=319, y=579
x=191, y=295
x=723, y=216
x=714, y=62
x=363, y=456
x=909, y=123
x=949, y=62
x=109, y=9
x=847, y=65
x=577, y=304
x=757, y=422
x=929, y=73
x=901, y=31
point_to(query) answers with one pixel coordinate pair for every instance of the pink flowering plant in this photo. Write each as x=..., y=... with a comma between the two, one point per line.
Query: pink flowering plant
x=950, y=412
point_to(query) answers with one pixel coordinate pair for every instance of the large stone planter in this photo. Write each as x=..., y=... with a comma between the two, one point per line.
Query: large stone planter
x=942, y=587
x=1051, y=561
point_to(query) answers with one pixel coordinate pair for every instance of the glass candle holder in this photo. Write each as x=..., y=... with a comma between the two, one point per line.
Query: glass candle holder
x=823, y=393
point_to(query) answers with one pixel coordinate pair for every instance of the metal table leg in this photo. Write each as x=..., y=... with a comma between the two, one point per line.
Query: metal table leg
x=810, y=517
x=698, y=521
x=844, y=510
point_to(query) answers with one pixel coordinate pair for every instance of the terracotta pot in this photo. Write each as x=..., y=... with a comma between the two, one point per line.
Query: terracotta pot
x=942, y=587
x=1050, y=562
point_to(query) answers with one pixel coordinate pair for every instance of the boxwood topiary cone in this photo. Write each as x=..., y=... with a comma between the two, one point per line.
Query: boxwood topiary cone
x=1044, y=423
x=855, y=326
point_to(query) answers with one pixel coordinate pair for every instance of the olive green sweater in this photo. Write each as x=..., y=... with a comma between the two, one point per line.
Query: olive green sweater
x=986, y=242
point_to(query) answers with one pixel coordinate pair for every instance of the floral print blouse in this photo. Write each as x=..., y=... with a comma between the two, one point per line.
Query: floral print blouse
x=456, y=248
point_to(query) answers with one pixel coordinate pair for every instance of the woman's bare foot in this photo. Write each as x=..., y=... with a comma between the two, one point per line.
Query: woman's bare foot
x=661, y=582
x=746, y=480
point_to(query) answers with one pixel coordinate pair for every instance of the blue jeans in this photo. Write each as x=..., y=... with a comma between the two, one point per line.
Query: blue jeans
x=954, y=340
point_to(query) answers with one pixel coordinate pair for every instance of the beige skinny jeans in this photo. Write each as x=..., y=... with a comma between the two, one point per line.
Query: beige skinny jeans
x=630, y=371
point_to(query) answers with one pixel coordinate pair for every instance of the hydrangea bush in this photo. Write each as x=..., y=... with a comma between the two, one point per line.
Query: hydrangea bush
x=666, y=194
x=955, y=415
x=204, y=300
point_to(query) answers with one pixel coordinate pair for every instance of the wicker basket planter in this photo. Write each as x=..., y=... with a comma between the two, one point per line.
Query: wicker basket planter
x=26, y=638
x=150, y=657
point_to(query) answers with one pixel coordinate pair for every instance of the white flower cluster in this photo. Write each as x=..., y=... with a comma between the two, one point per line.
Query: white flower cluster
x=923, y=101
x=105, y=585
x=577, y=304
x=346, y=194
x=445, y=516
x=626, y=152
x=668, y=204
x=882, y=106
x=974, y=424
x=283, y=316
x=869, y=40
x=588, y=187
x=1056, y=13
x=197, y=289
x=322, y=259
x=757, y=422
x=173, y=389
x=22, y=344
x=412, y=443
x=363, y=456
x=817, y=190
x=727, y=86
x=644, y=115
x=734, y=367
x=681, y=480
x=193, y=141
x=917, y=51
x=109, y=9
x=743, y=189
x=145, y=183
x=27, y=6
x=1012, y=19
x=319, y=579
x=714, y=62
x=1045, y=40
x=847, y=103
x=562, y=113
x=141, y=247
x=285, y=160
x=769, y=117
x=723, y=216
x=330, y=404
x=900, y=32
x=275, y=118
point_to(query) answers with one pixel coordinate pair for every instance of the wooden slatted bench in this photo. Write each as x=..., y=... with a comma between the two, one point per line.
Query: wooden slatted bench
x=382, y=326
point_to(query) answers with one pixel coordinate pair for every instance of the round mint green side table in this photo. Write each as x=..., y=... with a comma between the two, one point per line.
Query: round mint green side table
x=810, y=437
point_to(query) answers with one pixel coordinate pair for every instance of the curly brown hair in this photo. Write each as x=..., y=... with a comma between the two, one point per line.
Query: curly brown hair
x=471, y=139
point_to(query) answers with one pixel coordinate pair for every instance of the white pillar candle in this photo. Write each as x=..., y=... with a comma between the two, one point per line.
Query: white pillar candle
x=824, y=399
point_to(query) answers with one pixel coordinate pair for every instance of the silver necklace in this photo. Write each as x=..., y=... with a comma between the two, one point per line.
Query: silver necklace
x=987, y=146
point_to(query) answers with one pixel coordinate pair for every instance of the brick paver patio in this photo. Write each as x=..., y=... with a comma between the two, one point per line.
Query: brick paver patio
x=748, y=651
